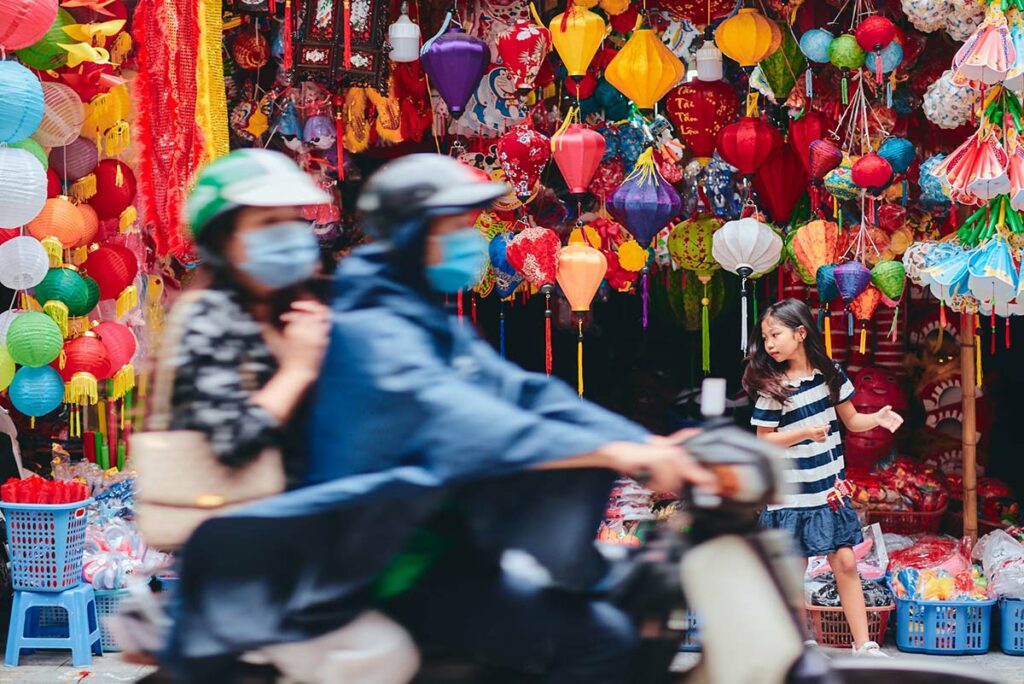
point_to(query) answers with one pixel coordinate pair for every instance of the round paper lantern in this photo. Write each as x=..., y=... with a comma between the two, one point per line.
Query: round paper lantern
x=6, y=368
x=66, y=286
x=814, y=44
x=23, y=263
x=74, y=160
x=691, y=244
x=871, y=172
x=34, y=339
x=645, y=202
x=700, y=110
x=746, y=37
x=21, y=102
x=46, y=53
x=63, y=117
x=59, y=219
x=523, y=49
x=845, y=53
x=113, y=268
x=93, y=289
x=86, y=362
x=23, y=22
x=577, y=150
x=875, y=33
x=577, y=34
x=35, y=392
x=6, y=318
x=747, y=143
x=580, y=272
x=455, y=63
x=644, y=69
x=251, y=50
x=119, y=340
x=22, y=187
x=115, y=188
x=90, y=225
x=54, y=187
x=899, y=152
x=890, y=57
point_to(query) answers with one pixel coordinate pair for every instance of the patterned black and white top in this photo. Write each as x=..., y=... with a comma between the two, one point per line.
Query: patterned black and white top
x=222, y=361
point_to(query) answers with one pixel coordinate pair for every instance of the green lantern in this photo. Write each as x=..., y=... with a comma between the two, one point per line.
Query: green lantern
x=889, y=277
x=34, y=339
x=94, y=296
x=33, y=147
x=46, y=53
x=6, y=368
x=63, y=293
x=690, y=245
x=781, y=67
x=845, y=53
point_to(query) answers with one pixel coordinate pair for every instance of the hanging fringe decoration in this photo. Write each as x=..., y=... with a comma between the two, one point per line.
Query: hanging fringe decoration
x=821, y=318
x=1006, y=332
x=863, y=338
x=127, y=300
x=579, y=356
x=346, y=24
x=123, y=382
x=472, y=308
x=828, y=335
x=942, y=319
x=849, y=325
x=126, y=221
x=705, y=331
x=809, y=83
x=287, y=40
x=82, y=389
x=58, y=311
x=892, y=328
x=547, y=331
x=458, y=306
x=339, y=132
x=54, y=251
x=743, y=315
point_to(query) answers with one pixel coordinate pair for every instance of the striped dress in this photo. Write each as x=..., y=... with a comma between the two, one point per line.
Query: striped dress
x=812, y=467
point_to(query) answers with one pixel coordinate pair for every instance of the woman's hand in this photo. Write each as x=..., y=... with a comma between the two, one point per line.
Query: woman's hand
x=888, y=419
x=307, y=329
x=817, y=433
x=664, y=467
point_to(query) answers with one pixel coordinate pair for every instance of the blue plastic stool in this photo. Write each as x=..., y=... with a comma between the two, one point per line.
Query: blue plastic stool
x=81, y=634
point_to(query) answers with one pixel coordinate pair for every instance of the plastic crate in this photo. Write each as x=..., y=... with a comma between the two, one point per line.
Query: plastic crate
x=46, y=544
x=830, y=628
x=906, y=522
x=107, y=604
x=1011, y=617
x=943, y=627
x=691, y=637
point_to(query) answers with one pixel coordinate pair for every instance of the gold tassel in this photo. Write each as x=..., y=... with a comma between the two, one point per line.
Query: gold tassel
x=119, y=177
x=54, y=251
x=127, y=220
x=79, y=255
x=84, y=188
x=78, y=326
x=83, y=389
x=579, y=358
x=828, y=333
x=977, y=355
x=124, y=381
x=116, y=140
x=58, y=311
x=127, y=300
x=863, y=338
x=121, y=47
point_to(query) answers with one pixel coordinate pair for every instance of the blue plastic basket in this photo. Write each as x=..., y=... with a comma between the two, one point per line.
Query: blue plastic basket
x=691, y=637
x=1011, y=616
x=46, y=544
x=943, y=627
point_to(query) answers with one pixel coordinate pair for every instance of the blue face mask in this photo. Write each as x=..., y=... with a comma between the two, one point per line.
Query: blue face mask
x=463, y=261
x=281, y=255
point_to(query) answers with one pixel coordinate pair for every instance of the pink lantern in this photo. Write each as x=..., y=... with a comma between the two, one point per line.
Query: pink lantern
x=577, y=150
x=23, y=22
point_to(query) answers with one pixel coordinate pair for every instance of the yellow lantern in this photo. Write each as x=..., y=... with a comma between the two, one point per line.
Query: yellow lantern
x=745, y=38
x=644, y=69
x=577, y=34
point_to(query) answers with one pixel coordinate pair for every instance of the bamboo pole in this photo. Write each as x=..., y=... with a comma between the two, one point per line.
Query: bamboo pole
x=968, y=382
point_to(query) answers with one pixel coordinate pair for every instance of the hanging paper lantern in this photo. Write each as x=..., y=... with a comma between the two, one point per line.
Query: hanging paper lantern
x=90, y=225
x=577, y=150
x=607, y=178
x=992, y=273
x=814, y=245
x=839, y=182
x=455, y=63
x=86, y=362
x=580, y=272
x=781, y=67
x=113, y=268
x=899, y=152
x=33, y=148
x=814, y=44
x=21, y=102
x=47, y=53
x=66, y=287
x=825, y=280
x=691, y=244
x=576, y=35
x=523, y=49
x=22, y=187
x=890, y=57
x=890, y=279
x=645, y=202
x=946, y=104
x=115, y=188
x=6, y=318
x=74, y=160
x=121, y=346
x=34, y=340
x=7, y=368
x=644, y=69
x=54, y=187
x=523, y=153
x=845, y=53
x=23, y=22
x=699, y=12
x=746, y=247
x=875, y=33
x=700, y=110
x=23, y=263
x=823, y=157
x=36, y=392
x=747, y=144
x=59, y=220
x=780, y=183
x=506, y=278
x=62, y=118
x=746, y=37
x=852, y=278
x=251, y=50
x=805, y=130
x=863, y=307
x=404, y=38
x=871, y=172
x=534, y=253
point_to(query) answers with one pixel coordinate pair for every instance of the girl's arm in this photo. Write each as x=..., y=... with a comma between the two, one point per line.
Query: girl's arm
x=862, y=422
x=784, y=440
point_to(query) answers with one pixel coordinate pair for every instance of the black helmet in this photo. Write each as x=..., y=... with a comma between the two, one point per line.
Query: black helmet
x=421, y=185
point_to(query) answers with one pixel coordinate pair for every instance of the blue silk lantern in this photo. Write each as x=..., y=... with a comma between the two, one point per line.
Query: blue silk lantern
x=899, y=152
x=506, y=277
x=992, y=275
x=455, y=62
x=814, y=44
x=892, y=57
x=21, y=102
x=35, y=392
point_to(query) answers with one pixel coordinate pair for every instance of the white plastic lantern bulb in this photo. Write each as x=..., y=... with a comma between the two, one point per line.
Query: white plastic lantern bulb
x=404, y=36
x=709, y=62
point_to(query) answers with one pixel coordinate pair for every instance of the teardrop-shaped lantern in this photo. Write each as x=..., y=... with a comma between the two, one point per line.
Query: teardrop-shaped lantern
x=852, y=278
x=580, y=271
x=577, y=150
x=523, y=49
x=455, y=62
x=805, y=130
x=645, y=202
x=700, y=110
x=577, y=34
x=747, y=143
x=523, y=153
x=644, y=69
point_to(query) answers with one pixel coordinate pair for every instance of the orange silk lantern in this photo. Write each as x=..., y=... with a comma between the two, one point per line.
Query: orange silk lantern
x=863, y=308
x=58, y=226
x=700, y=110
x=814, y=245
x=580, y=272
x=577, y=34
x=746, y=37
x=577, y=150
x=644, y=69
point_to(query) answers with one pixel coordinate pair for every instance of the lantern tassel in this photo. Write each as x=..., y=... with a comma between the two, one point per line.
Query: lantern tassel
x=126, y=221
x=82, y=389
x=992, y=337
x=54, y=251
x=705, y=331
x=501, y=328
x=849, y=325
x=828, y=334
x=547, y=334
x=846, y=95
x=1006, y=333
x=339, y=135
x=58, y=311
x=472, y=308
x=942, y=319
x=127, y=300
x=863, y=338
x=743, y=315
x=124, y=381
x=878, y=67
x=892, y=328
x=459, y=306
x=84, y=188
x=579, y=357
x=821, y=318
x=645, y=297
x=977, y=355
x=287, y=40
x=347, y=23
x=809, y=84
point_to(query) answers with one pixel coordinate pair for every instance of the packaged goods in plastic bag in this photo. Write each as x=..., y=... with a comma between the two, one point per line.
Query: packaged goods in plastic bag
x=1002, y=557
x=871, y=554
x=932, y=551
x=823, y=591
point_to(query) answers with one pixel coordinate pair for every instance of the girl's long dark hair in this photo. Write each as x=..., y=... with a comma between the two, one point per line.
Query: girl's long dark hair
x=764, y=375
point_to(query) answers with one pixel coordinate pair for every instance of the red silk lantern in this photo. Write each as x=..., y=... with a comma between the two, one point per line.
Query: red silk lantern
x=700, y=110
x=523, y=153
x=115, y=188
x=577, y=150
x=875, y=33
x=747, y=144
x=86, y=362
x=699, y=12
x=805, y=130
x=824, y=156
x=114, y=269
x=522, y=49
x=251, y=50
x=871, y=172
x=780, y=183
x=534, y=253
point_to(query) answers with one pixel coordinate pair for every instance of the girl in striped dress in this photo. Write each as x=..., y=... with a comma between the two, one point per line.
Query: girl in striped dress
x=801, y=395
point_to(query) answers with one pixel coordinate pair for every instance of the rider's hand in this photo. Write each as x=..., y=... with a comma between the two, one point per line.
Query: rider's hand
x=665, y=467
x=307, y=328
x=676, y=438
x=817, y=433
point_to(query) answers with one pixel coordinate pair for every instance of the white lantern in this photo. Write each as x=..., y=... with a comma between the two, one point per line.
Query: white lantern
x=746, y=247
x=404, y=36
x=22, y=187
x=6, y=318
x=63, y=117
x=23, y=263
x=709, y=62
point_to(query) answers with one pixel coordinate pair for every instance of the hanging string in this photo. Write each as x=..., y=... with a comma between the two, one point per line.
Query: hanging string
x=501, y=327
x=579, y=356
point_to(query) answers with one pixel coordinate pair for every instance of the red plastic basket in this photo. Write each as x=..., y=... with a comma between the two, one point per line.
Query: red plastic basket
x=906, y=522
x=830, y=629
